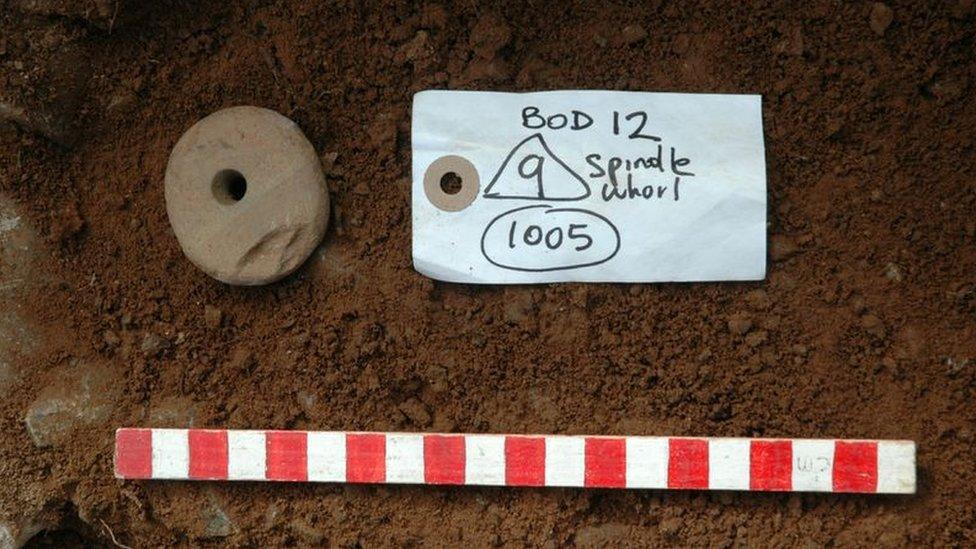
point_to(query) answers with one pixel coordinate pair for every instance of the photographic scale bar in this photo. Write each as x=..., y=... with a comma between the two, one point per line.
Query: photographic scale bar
x=673, y=463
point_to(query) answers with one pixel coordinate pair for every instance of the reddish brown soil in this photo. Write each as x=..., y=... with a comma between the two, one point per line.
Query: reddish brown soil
x=865, y=327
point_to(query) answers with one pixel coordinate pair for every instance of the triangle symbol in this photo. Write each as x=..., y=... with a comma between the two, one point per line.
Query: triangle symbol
x=533, y=172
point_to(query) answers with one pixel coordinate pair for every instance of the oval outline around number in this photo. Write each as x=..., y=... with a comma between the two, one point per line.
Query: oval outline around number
x=549, y=210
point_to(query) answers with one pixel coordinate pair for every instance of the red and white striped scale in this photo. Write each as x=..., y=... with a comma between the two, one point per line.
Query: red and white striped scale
x=798, y=465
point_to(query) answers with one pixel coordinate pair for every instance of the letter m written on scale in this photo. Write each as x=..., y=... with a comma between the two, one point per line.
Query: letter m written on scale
x=533, y=172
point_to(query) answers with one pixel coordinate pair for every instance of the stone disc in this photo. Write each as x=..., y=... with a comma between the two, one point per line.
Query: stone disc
x=246, y=195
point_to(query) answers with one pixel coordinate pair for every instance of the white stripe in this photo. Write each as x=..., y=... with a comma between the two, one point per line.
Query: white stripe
x=246, y=455
x=896, y=467
x=405, y=459
x=647, y=462
x=565, y=461
x=728, y=463
x=813, y=465
x=170, y=453
x=326, y=457
x=484, y=460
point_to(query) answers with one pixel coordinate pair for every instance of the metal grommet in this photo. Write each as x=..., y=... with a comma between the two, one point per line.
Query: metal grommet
x=451, y=183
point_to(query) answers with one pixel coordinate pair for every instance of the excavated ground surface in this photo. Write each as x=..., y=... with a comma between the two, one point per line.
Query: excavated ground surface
x=865, y=326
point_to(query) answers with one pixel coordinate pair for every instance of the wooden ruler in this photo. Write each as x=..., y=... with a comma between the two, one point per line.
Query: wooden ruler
x=673, y=463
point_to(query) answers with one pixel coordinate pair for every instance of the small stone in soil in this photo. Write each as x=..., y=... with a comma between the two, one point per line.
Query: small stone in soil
x=493, y=70
x=16, y=533
x=893, y=272
x=63, y=73
x=213, y=316
x=218, y=524
x=152, y=344
x=416, y=49
x=490, y=34
x=739, y=324
x=329, y=162
x=670, y=526
x=101, y=13
x=611, y=534
x=519, y=307
x=756, y=338
x=782, y=248
x=20, y=256
x=306, y=532
x=416, y=412
x=122, y=102
x=20, y=246
x=633, y=34
x=758, y=299
x=178, y=412
x=83, y=395
x=873, y=325
x=111, y=338
x=881, y=17
x=17, y=338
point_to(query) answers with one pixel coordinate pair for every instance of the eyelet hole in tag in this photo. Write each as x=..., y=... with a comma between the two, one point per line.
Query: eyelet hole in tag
x=451, y=183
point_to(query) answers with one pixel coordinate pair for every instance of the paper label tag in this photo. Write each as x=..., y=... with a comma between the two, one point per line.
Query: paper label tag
x=589, y=186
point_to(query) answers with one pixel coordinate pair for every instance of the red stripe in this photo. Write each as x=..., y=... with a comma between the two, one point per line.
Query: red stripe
x=855, y=466
x=444, y=459
x=771, y=465
x=208, y=454
x=133, y=453
x=688, y=463
x=287, y=455
x=365, y=457
x=605, y=462
x=525, y=461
